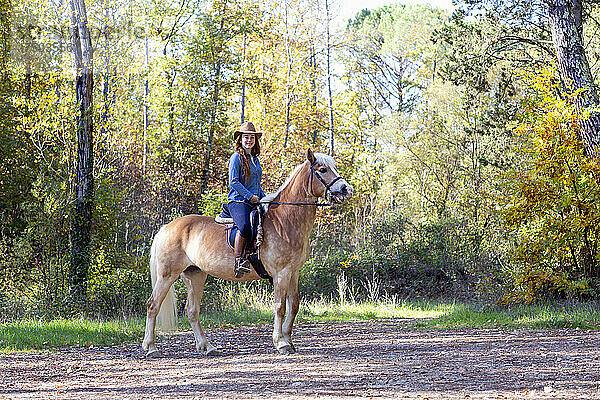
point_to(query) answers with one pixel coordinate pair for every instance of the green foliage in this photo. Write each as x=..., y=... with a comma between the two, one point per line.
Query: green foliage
x=423, y=111
x=16, y=164
x=390, y=58
x=393, y=256
x=116, y=291
x=552, y=200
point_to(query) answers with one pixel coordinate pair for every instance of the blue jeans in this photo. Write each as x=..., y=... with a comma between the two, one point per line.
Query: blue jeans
x=240, y=212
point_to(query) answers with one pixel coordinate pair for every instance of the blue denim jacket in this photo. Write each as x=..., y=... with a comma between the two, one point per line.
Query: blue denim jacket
x=239, y=190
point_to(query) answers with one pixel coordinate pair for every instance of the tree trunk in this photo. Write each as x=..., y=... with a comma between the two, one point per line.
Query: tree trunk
x=5, y=31
x=399, y=76
x=146, y=92
x=213, y=118
x=84, y=179
x=28, y=80
x=288, y=101
x=170, y=82
x=564, y=17
x=331, y=149
x=313, y=72
x=106, y=84
x=242, y=116
x=211, y=132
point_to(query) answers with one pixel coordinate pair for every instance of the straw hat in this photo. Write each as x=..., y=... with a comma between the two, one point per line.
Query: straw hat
x=247, y=127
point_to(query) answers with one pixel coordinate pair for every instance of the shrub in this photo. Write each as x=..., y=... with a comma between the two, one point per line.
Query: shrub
x=552, y=200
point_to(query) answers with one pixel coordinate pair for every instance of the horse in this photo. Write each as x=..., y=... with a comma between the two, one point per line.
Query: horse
x=193, y=247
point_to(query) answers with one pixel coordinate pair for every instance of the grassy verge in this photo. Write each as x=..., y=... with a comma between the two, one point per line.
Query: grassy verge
x=31, y=334
x=420, y=314
x=25, y=335
x=542, y=316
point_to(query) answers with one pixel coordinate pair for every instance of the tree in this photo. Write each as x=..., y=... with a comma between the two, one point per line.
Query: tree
x=329, y=95
x=552, y=201
x=84, y=179
x=5, y=10
x=565, y=19
x=16, y=166
x=390, y=57
x=216, y=50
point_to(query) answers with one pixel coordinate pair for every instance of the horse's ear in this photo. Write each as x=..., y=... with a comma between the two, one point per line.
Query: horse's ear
x=310, y=156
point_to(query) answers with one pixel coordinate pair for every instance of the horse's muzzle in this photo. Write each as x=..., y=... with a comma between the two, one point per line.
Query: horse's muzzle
x=339, y=195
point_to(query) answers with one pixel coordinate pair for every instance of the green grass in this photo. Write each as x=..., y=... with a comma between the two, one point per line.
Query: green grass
x=319, y=311
x=324, y=311
x=542, y=316
x=256, y=309
x=418, y=314
x=449, y=315
x=32, y=334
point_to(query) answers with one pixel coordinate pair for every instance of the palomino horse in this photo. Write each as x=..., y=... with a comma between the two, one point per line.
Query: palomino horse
x=193, y=247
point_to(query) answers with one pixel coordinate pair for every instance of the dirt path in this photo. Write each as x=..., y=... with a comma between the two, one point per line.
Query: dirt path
x=383, y=359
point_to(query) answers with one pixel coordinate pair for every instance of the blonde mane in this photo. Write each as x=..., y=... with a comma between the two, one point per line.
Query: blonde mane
x=320, y=158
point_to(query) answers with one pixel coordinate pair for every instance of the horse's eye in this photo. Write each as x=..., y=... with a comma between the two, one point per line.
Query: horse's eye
x=323, y=170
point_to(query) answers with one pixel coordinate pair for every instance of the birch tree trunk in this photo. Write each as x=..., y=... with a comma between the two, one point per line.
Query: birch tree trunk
x=146, y=92
x=216, y=52
x=330, y=105
x=242, y=116
x=106, y=80
x=288, y=91
x=313, y=81
x=564, y=17
x=84, y=179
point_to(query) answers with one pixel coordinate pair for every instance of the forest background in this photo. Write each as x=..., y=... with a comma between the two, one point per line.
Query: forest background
x=458, y=132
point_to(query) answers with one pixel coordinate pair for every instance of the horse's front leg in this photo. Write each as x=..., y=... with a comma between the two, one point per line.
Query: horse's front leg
x=293, y=305
x=281, y=283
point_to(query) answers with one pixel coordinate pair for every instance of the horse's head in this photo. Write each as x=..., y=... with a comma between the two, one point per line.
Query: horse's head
x=325, y=181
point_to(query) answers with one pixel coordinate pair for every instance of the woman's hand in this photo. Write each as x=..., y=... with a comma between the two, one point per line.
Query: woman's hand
x=254, y=199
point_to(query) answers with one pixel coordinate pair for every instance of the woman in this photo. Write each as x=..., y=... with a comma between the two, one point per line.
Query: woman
x=245, y=174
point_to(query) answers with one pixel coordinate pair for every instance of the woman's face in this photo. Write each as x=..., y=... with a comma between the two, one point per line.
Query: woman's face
x=248, y=140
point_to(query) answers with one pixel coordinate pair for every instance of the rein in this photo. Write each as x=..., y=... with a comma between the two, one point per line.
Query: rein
x=284, y=203
x=327, y=189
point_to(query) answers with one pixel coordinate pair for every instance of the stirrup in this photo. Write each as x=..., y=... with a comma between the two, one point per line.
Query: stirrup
x=242, y=267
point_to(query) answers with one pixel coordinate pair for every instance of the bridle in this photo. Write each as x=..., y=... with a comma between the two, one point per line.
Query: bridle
x=313, y=172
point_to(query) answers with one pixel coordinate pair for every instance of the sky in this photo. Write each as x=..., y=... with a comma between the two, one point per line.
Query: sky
x=349, y=8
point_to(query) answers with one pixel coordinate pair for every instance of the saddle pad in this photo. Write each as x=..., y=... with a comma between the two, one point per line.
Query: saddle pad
x=224, y=217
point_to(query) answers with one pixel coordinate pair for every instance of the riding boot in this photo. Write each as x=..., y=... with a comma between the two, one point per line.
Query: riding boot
x=242, y=265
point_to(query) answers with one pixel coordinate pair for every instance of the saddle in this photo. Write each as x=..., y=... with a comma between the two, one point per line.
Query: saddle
x=253, y=245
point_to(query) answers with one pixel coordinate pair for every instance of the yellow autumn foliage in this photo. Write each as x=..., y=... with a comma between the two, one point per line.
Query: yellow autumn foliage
x=552, y=199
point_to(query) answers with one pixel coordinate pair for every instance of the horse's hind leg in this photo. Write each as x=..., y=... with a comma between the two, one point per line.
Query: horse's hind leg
x=194, y=279
x=161, y=288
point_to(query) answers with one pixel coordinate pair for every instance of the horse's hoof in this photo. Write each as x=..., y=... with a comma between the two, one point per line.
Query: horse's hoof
x=154, y=354
x=286, y=350
x=212, y=352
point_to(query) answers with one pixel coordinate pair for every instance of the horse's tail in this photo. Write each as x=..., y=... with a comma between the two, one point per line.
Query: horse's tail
x=166, y=319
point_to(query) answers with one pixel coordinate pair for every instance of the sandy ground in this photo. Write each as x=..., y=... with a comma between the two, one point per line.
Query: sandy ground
x=374, y=359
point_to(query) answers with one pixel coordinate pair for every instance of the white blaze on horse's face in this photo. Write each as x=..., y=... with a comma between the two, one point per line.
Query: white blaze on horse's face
x=324, y=168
